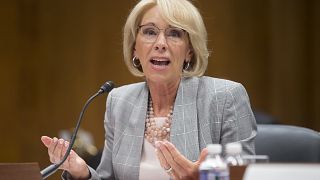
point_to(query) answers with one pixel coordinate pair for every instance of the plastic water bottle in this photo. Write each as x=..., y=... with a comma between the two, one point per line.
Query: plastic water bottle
x=214, y=167
x=233, y=154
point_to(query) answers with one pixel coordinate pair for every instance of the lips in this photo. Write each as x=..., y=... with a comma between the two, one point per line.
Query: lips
x=160, y=62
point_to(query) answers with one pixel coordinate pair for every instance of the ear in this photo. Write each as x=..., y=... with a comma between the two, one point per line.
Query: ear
x=189, y=53
x=135, y=52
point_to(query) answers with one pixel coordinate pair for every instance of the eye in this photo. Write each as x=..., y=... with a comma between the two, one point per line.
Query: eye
x=149, y=31
x=174, y=32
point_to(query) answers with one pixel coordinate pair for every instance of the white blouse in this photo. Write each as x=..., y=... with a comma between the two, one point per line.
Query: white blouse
x=150, y=166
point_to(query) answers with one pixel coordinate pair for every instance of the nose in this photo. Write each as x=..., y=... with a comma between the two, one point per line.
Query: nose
x=161, y=42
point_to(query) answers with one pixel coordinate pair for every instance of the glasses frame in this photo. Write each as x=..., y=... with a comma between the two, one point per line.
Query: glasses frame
x=171, y=39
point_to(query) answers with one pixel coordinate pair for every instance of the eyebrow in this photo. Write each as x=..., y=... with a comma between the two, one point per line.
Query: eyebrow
x=153, y=24
x=149, y=23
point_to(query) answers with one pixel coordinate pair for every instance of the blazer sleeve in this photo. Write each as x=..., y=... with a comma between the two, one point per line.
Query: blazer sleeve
x=238, y=122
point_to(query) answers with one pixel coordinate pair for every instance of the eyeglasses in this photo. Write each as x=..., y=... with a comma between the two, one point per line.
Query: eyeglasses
x=150, y=33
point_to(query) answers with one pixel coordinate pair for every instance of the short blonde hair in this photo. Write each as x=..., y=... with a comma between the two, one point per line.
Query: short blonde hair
x=179, y=13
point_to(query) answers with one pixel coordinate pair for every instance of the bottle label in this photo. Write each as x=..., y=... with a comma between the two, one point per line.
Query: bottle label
x=212, y=175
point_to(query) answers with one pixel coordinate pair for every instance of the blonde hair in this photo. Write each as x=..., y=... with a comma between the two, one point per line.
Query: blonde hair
x=179, y=13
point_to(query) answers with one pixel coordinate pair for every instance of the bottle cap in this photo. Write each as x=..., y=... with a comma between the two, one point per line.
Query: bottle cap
x=214, y=148
x=234, y=148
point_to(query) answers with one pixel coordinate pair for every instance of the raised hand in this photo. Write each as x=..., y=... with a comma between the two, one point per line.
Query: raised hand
x=176, y=165
x=74, y=164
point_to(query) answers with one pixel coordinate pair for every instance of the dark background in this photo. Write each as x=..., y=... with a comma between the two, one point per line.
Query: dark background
x=54, y=54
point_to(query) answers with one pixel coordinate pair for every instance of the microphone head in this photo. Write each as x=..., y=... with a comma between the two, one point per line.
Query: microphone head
x=107, y=87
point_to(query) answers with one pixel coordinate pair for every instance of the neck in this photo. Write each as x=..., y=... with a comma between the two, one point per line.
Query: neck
x=163, y=96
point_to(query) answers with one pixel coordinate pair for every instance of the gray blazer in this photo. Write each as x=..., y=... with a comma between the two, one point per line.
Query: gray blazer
x=206, y=110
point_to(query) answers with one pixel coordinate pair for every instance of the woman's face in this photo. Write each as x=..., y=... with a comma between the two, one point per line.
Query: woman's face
x=161, y=48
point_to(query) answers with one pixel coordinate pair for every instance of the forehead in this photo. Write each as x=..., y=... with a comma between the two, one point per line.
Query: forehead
x=153, y=15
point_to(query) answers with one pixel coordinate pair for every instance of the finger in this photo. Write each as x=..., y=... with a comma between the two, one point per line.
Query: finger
x=187, y=168
x=56, y=154
x=53, y=145
x=177, y=156
x=175, y=175
x=65, y=148
x=59, y=149
x=46, y=140
x=203, y=155
x=72, y=155
x=165, y=164
x=170, y=159
x=51, y=149
x=161, y=157
x=65, y=165
x=162, y=160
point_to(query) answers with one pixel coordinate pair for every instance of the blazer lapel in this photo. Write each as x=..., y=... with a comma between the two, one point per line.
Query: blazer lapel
x=184, y=128
x=137, y=123
x=139, y=114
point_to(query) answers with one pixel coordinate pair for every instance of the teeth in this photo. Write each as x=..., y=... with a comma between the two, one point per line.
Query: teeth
x=160, y=62
x=160, y=59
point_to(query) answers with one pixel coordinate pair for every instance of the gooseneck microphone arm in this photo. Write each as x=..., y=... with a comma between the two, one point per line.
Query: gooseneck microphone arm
x=48, y=171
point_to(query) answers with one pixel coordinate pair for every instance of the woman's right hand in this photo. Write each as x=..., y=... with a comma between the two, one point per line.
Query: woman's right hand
x=74, y=164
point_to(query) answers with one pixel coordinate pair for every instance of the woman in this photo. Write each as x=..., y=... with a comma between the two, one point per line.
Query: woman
x=160, y=128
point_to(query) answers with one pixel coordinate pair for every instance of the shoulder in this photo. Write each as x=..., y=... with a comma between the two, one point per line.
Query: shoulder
x=129, y=88
x=217, y=87
x=217, y=83
x=128, y=92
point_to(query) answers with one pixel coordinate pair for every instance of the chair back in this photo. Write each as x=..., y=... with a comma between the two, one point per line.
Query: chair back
x=286, y=143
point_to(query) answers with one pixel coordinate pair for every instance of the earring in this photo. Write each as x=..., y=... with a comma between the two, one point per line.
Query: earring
x=136, y=62
x=186, y=65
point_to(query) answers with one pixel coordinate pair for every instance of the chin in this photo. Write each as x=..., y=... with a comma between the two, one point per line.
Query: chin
x=162, y=78
x=157, y=78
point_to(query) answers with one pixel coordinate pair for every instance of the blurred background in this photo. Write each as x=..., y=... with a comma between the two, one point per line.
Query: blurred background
x=55, y=54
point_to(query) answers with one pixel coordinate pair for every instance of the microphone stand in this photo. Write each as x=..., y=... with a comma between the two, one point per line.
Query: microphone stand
x=48, y=171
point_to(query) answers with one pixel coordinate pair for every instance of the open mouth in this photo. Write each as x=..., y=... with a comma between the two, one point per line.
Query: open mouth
x=160, y=62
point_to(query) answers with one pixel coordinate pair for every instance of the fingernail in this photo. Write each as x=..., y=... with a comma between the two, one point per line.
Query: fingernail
x=65, y=144
x=55, y=140
x=167, y=143
x=157, y=144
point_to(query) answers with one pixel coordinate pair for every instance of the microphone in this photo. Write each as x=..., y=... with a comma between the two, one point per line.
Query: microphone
x=48, y=171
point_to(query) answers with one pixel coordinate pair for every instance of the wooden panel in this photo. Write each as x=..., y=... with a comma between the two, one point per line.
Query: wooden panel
x=238, y=37
x=18, y=171
x=289, y=62
x=315, y=37
x=9, y=81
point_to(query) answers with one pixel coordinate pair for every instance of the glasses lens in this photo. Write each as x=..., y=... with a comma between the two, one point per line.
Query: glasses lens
x=174, y=33
x=149, y=32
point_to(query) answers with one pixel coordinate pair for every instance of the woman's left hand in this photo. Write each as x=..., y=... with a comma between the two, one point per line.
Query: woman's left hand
x=175, y=164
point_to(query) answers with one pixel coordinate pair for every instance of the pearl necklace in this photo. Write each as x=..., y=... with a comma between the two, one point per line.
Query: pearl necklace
x=152, y=132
